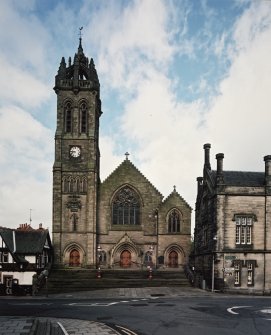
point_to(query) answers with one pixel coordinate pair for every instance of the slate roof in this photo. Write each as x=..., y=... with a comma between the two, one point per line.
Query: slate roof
x=175, y=193
x=27, y=242
x=126, y=163
x=242, y=178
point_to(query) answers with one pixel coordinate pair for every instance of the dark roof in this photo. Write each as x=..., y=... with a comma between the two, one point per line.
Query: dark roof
x=26, y=242
x=243, y=178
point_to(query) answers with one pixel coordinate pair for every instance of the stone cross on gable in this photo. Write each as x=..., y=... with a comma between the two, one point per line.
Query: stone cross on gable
x=127, y=155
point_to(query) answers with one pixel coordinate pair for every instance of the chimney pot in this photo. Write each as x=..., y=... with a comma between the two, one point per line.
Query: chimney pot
x=206, y=148
x=267, y=160
x=219, y=170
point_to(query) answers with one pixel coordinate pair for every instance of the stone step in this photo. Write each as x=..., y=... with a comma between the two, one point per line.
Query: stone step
x=71, y=280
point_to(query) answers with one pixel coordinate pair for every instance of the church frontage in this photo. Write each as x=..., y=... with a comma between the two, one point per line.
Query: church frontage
x=123, y=222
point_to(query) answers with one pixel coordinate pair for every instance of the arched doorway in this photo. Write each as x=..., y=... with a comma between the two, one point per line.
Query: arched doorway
x=125, y=259
x=74, y=258
x=173, y=259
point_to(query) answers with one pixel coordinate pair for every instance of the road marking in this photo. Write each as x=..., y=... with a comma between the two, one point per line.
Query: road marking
x=106, y=304
x=230, y=310
x=96, y=304
x=30, y=303
x=63, y=329
x=266, y=311
x=126, y=330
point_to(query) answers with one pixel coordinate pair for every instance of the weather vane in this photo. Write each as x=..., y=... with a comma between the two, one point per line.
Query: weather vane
x=80, y=32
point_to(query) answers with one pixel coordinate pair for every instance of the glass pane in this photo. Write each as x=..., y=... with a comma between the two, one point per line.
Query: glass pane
x=237, y=237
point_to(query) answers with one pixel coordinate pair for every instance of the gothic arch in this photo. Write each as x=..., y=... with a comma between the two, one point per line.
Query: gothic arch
x=70, y=249
x=174, y=219
x=126, y=204
x=83, y=116
x=125, y=244
x=132, y=188
x=174, y=256
x=68, y=115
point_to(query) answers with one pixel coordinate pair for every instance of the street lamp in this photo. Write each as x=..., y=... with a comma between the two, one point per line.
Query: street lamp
x=213, y=272
x=99, y=250
x=154, y=217
x=151, y=249
x=213, y=267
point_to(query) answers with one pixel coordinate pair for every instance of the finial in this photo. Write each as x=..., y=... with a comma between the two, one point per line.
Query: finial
x=80, y=32
x=127, y=154
x=174, y=188
x=80, y=37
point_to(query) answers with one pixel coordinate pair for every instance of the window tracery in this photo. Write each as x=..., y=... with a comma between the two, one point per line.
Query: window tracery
x=126, y=207
x=68, y=117
x=174, y=221
x=83, y=117
x=74, y=184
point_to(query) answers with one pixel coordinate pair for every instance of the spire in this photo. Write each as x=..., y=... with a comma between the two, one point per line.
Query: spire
x=79, y=74
x=80, y=48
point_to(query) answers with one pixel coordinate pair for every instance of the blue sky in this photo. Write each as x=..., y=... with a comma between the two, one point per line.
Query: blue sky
x=174, y=75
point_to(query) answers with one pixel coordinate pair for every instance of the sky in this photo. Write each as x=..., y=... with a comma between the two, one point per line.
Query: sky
x=174, y=75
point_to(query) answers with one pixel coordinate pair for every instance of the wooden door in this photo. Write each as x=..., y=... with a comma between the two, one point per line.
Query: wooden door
x=173, y=259
x=125, y=259
x=74, y=258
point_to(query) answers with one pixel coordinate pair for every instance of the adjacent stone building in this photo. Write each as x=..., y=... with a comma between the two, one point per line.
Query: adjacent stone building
x=121, y=222
x=232, y=247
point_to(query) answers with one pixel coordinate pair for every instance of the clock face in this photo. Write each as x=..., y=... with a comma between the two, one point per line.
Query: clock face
x=75, y=152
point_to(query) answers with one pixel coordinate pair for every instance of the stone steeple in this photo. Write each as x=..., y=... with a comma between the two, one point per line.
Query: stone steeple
x=79, y=75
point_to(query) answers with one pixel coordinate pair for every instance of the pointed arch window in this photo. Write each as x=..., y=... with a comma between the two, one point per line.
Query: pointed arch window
x=68, y=117
x=174, y=221
x=83, y=117
x=66, y=187
x=84, y=185
x=126, y=207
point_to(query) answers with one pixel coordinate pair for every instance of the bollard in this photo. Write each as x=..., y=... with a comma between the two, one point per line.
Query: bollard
x=99, y=273
x=150, y=273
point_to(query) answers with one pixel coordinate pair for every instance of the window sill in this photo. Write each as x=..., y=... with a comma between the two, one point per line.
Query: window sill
x=244, y=246
x=126, y=227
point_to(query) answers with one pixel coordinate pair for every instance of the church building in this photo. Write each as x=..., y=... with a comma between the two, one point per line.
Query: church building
x=122, y=222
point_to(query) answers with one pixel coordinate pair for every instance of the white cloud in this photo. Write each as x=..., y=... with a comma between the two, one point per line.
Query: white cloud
x=26, y=149
x=240, y=116
x=20, y=86
x=24, y=39
x=129, y=41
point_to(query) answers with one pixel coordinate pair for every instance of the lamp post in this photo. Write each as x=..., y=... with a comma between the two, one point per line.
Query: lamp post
x=157, y=236
x=151, y=249
x=99, y=250
x=213, y=272
x=213, y=266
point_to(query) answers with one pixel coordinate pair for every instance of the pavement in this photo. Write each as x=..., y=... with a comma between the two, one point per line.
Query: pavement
x=59, y=326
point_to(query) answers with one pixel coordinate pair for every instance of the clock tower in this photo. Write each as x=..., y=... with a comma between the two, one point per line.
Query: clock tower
x=76, y=167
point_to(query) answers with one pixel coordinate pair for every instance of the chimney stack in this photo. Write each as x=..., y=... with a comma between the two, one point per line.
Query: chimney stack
x=267, y=160
x=206, y=148
x=219, y=169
